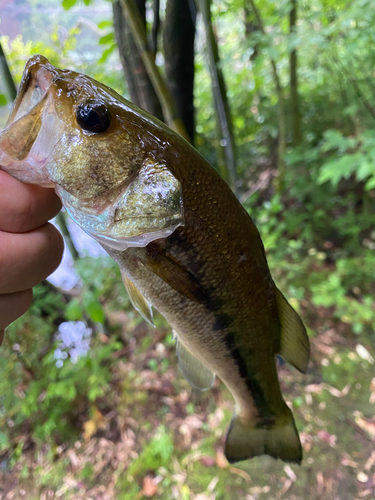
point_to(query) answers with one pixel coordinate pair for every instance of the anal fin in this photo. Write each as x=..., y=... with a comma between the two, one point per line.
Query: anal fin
x=138, y=301
x=295, y=346
x=196, y=373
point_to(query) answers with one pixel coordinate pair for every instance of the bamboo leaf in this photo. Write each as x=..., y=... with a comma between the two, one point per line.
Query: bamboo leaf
x=106, y=39
x=68, y=4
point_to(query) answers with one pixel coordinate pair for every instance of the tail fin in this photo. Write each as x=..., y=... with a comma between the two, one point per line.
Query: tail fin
x=279, y=440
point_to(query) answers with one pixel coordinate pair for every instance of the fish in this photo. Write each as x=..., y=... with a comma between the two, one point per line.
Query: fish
x=182, y=240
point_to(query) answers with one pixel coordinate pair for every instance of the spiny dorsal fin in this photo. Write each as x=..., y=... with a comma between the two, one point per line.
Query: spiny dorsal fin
x=138, y=301
x=196, y=373
x=295, y=346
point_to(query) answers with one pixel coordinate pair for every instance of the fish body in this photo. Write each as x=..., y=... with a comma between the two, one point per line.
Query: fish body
x=183, y=242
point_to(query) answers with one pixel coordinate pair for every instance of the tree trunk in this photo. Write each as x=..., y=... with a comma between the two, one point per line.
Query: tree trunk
x=281, y=112
x=220, y=96
x=178, y=42
x=251, y=26
x=167, y=102
x=141, y=90
x=297, y=136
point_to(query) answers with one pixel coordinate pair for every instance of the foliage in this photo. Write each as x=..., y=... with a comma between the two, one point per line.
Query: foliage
x=36, y=389
x=352, y=156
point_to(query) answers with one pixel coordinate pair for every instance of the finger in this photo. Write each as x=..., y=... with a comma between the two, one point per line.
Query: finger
x=28, y=258
x=12, y=306
x=24, y=207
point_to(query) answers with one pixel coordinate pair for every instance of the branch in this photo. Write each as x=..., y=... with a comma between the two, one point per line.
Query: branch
x=140, y=37
x=67, y=237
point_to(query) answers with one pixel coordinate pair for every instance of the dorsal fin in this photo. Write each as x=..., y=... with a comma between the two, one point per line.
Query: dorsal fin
x=295, y=346
x=138, y=301
x=196, y=373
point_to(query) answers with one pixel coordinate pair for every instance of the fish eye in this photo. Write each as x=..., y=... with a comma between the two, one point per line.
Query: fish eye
x=93, y=115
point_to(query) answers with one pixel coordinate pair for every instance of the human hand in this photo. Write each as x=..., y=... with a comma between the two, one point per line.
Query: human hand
x=30, y=248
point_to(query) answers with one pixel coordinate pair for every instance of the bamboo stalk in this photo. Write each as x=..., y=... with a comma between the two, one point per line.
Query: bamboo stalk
x=8, y=79
x=140, y=37
x=297, y=136
x=220, y=96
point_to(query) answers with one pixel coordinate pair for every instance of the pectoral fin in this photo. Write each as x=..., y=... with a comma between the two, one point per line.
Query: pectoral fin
x=295, y=346
x=196, y=373
x=139, y=302
x=174, y=275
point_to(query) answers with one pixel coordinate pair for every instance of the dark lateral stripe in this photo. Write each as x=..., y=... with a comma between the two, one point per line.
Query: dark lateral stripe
x=249, y=377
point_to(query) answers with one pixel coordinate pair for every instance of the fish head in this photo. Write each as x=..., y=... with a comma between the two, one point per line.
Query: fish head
x=67, y=129
x=72, y=133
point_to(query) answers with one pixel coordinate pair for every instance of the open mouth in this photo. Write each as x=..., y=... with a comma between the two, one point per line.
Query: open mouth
x=24, y=123
x=26, y=141
x=36, y=80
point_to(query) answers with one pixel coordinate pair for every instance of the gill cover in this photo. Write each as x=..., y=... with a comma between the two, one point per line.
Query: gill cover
x=150, y=208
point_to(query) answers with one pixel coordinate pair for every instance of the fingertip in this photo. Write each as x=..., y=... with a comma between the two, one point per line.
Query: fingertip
x=26, y=259
x=56, y=247
x=24, y=207
x=13, y=306
x=25, y=299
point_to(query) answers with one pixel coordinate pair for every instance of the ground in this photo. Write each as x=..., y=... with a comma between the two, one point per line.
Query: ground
x=151, y=436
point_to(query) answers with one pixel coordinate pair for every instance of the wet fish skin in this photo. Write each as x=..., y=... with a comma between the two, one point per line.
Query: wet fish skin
x=198, y=257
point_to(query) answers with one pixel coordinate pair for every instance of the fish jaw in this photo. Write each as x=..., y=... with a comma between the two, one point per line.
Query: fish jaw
x=33, y=128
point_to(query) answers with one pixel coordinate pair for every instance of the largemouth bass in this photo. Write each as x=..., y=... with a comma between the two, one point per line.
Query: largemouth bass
x=183, y=242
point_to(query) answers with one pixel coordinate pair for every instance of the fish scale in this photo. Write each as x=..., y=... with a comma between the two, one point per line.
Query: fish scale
x=182, y=240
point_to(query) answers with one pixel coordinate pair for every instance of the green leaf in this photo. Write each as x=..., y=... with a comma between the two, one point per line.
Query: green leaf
x=73, y=311
x=93, y=308
x=96, y=313
x=364, y=170
x=105, y=24
x=106, y=39
x=370, y=184
x=338, y=168
x=4, y=442
x=333, y=139
x=3, y=100
x=68, y=4
x=106, y=53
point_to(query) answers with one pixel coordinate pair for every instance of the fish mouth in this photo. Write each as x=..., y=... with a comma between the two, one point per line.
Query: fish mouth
x=24, y=151
x=36, y=81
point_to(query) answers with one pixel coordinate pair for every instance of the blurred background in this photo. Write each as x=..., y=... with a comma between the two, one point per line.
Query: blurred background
x=92, y=405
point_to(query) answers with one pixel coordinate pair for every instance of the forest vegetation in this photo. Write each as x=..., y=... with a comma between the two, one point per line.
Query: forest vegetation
x=279, y=97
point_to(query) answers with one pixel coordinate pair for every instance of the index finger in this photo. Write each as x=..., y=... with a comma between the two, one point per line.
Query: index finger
x=24, y=207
